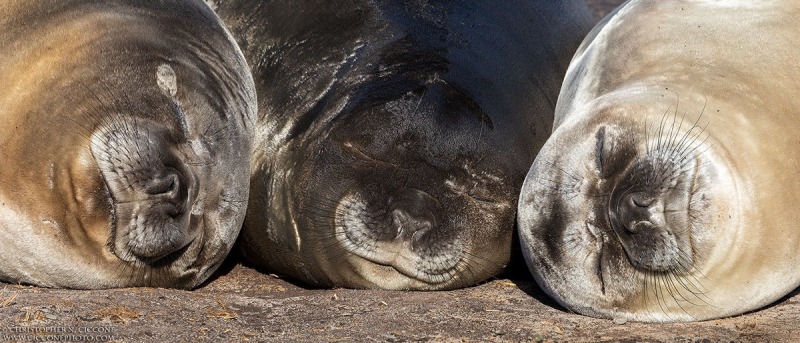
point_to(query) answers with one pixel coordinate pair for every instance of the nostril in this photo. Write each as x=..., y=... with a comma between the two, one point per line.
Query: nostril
x=641, y=199
x=399, y=220
x=166, y=193
x=168, y=184
x=635, y=212
x=409, y=227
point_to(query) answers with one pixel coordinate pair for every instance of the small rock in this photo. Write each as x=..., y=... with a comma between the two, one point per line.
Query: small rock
x=620, y=321
x=51, y=317
x=390, y=337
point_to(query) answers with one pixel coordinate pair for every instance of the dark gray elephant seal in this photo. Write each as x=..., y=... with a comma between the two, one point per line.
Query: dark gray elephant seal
x=668, y=190
x=124, y=132
x=393, y=136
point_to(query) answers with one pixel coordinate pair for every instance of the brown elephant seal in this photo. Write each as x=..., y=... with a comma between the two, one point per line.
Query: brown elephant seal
x=668, y=189
x=125, y=128
x=393, y=136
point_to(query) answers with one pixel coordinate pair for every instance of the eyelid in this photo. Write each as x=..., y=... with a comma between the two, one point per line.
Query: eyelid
x=600, y=138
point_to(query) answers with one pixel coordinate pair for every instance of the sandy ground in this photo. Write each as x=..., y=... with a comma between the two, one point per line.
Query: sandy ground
x=247, y=306
x=241, y=304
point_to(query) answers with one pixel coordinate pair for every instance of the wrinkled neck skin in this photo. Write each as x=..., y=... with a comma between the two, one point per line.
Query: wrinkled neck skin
x=362, y=100
x=108, y=124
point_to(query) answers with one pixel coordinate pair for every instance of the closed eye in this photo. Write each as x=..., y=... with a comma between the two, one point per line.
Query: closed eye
x=598, y=153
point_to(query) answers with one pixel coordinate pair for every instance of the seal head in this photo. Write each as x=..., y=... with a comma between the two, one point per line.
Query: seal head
x=125, y=140
x=667, y=189
x=622, y=224
x=402, y=207
x=393, y=136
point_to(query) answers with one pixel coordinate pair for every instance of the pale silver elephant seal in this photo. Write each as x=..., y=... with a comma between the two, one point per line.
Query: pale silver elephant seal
x=124, y=132
x=393, y=136
x=668, y=190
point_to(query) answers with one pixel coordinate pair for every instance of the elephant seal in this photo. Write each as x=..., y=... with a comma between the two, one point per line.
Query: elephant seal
x=667, y=191
x=393, y=136
x=124, y=131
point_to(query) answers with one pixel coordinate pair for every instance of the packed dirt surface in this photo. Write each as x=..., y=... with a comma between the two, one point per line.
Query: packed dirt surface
x=244, y=305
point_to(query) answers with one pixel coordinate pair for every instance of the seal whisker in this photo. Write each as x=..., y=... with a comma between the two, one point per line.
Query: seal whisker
x=684, y=140
x=673, y=131
x=692, y=146
x=677, y=296
x=666, y=295
x=692, y=280
x=661, y=129
x=667, y=139
x=658, y=292
x=688, y=287
x=674, y=141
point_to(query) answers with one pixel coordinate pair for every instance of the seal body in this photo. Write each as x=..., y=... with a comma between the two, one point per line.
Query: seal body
x=667, y=191
x=393, y=135
x=124, y=127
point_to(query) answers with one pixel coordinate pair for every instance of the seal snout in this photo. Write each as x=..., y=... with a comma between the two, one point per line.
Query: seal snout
x=160, y=229
x=151, y=188
x=402, y=231
x=170, y=190
x=639, y=211
x=408, y=227
x=413, y=215
x=648, y=214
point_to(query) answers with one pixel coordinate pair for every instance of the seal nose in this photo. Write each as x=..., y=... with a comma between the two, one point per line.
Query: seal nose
x=166, y=184
x=636, y=211
x=164, y=229
x=409, y=228
x=168, y=188
x=413, y=215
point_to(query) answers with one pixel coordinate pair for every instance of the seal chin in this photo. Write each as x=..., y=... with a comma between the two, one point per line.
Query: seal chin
x=379, y=276
x=401, y=236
